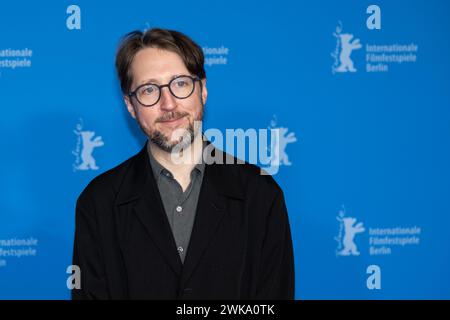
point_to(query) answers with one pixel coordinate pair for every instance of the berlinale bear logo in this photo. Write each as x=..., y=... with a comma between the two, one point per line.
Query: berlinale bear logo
x=85, y=146
x=345, y=44
x=347, y=233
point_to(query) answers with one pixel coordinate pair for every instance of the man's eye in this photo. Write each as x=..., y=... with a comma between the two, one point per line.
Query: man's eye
x=181, y=83
x=148, y=90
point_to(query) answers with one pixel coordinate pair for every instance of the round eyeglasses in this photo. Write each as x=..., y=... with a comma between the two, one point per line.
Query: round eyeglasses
x=148, y=94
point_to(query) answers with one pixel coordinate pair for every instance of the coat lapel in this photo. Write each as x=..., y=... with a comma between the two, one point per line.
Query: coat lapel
x=150, y=211
x=140, y=190
x=217, y=186
x=210, y=211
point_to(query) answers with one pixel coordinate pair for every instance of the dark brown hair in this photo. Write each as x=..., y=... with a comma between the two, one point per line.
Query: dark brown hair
x=170, y=40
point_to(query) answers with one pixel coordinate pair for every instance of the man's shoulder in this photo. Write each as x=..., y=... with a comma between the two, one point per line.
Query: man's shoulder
x=248, y=182
x=249, y=175
x=108, y=183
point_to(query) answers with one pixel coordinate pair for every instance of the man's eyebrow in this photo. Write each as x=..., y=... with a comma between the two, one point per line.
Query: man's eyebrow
x=153, y=80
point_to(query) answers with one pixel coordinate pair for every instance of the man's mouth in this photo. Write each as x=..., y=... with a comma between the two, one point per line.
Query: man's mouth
x=173, y=121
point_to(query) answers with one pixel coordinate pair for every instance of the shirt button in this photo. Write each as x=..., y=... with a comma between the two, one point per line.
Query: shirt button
x=179, y=209
x=180, y=249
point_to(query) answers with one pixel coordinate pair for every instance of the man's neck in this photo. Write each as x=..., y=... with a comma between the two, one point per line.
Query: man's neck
x=182, y=163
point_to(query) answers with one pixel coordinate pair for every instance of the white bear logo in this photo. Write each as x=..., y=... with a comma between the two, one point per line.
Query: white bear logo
x=347, y=46
x=279, y=143
x=347, y=233
x=350, y=230
x=88, y=143
x=344, y=47
x=88, y=146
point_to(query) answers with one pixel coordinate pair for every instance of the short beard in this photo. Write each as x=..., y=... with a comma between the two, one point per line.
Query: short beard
x=160, y=140
x=186, y=139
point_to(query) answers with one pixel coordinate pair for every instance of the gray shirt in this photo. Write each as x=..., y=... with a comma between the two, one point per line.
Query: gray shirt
x=180, y=207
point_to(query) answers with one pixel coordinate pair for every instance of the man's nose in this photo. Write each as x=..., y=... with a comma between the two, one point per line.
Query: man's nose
x=168, y=101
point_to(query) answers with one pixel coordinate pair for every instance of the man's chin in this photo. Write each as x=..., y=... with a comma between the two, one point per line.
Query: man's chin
x=172, y=144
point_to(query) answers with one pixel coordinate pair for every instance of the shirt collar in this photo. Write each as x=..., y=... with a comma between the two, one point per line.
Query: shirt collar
x=158, y=169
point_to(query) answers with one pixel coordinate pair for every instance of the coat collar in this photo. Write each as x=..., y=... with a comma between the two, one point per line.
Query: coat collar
x=140, y=174
x=158, y=169
x=139, y=189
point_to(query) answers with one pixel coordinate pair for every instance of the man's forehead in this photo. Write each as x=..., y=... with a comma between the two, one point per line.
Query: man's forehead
x=155, y=57
x=157, y=66
x=162, y=79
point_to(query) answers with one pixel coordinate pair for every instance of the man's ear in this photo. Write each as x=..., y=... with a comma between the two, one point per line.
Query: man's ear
x=129, y=105
x=204, y=91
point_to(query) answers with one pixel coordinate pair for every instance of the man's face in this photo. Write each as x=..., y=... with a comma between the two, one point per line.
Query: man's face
x=167, y=122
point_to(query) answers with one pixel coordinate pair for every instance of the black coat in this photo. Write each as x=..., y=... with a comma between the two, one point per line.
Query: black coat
x=240, y=246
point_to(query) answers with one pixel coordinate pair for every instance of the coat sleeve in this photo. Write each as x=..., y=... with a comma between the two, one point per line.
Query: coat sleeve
x=87, y=253
x=277, y=277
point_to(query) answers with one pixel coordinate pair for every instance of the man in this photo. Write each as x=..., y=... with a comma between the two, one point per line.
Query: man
x=156, y=227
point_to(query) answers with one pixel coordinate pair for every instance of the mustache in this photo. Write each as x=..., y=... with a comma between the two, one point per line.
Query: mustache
x=174, y=115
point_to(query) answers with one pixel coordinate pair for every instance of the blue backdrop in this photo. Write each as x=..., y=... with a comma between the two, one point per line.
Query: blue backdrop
x=359, y=92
